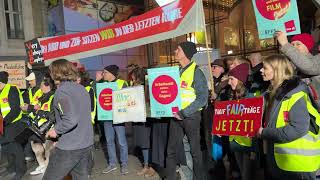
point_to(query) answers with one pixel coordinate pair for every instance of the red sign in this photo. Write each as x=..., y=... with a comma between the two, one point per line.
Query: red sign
x=164, y=89
x=105, y=99
x=175, y=19
x=241, y=117
x=273, y=9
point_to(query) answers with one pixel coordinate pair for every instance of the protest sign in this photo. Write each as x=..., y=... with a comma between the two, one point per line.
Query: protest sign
x=129, y=105
x=172, y=20
x=240, y=117
x=164, y=91
x=104, y=95
x=17, y=72
x=276, y=15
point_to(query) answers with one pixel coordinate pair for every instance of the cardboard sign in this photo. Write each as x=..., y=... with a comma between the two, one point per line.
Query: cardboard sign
x=276, y=15
x=17, y=72
x=129, y=105
x=242, y=117
x=174, y=19
x=104, y=100
x=164, y=91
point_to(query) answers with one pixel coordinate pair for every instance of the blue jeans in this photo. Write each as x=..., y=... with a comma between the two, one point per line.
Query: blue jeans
x=120, y=131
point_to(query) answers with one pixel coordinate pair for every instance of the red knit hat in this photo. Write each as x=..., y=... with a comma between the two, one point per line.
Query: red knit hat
x=306, y=39
x=241, y=72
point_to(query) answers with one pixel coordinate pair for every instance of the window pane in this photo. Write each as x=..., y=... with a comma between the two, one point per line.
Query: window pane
x=8, y=25
x=15, y=5
x=18, y=26
x=6, y=5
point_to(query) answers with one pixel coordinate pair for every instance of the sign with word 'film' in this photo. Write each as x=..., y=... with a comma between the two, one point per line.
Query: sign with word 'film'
x=240, y=117
x=276, y=15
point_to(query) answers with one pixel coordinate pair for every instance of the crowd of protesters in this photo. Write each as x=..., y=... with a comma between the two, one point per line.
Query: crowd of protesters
x=55, y=120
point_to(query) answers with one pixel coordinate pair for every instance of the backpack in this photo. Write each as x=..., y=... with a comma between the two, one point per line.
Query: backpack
x=313, y=85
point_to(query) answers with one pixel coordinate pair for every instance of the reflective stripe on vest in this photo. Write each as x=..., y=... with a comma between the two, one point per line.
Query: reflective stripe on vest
x=302, y=154
x=34, y=99
x=187, y=92
x=4, y=102
x=93, y=113
x=45, y=107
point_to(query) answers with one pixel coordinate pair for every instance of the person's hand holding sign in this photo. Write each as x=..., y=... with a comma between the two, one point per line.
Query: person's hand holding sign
x=176, y=115
x=259, y=132
x=281, y=37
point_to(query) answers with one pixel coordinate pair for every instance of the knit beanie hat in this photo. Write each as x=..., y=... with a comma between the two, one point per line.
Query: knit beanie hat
x=241, y=72
x=306, y=39
x=189, y=49
x=113, y=69
x=4, y=77
x=219, y=62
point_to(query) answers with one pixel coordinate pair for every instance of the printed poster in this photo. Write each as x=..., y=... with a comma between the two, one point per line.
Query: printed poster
x=17, y=72
x=175, y=19
x=164, y=91
x=276, y=15
x=241, y=117
x=129, y=105
x=104, y=100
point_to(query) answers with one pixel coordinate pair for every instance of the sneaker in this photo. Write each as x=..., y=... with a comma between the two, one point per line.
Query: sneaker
x=143, y=171
x=109, y=169
x=124, y=170
x=38, y=170
x=151, y=172
x=28, y=159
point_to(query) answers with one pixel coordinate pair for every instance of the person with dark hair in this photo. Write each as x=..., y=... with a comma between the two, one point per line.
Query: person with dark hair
x=142, y=131
x=194, y=96
x=110, y=74
x=10, y=102
x=45, y=113
x=31, y=104
x=73, y=128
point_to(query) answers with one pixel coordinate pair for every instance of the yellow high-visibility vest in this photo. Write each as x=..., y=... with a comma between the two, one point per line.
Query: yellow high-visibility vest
x=302, y=154
x=120, y=83
x=187, y=94
x=4, y=102
x=46, y=106
x=34, y=99
x=93, y=113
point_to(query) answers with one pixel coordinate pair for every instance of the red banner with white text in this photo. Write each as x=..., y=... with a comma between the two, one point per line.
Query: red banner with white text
x=175, y=19
x=241, y=117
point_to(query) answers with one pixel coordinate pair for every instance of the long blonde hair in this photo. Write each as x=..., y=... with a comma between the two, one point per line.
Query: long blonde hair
x=283, y=70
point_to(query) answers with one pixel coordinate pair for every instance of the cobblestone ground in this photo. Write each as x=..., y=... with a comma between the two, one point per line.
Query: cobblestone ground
x=100, y=164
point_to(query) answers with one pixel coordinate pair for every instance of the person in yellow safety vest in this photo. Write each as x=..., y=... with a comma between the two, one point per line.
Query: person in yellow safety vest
x=10, y=102
x=194, y=96
x=110, y=74
x=241, y=146
x=41, y=116
x=84, y=80
x=32, y=95
x=31, y=103
x=291, y=126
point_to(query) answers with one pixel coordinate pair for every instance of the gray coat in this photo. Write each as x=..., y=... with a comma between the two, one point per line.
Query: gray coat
x=298, y=126
x=306, y=63
x=71, y=105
